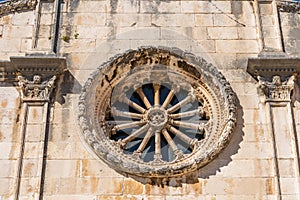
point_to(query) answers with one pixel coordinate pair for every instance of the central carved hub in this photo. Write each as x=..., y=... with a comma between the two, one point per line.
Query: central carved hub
x=157, y=117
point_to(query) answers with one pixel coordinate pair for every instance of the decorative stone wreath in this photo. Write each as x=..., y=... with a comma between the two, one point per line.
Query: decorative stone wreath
x=157, y=112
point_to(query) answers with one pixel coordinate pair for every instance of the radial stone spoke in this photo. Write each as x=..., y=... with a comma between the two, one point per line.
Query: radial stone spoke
x=145, y=140
x=137, y=107
x=128, y=125
x=168, y=99
x=126, y=114
x=186, y=100
x=157, y=156
x=170, y=140
x=134, y=135
x=187, y=124
x=186, y=114
x=143, y=97
x=156, y=94
x=180, y=134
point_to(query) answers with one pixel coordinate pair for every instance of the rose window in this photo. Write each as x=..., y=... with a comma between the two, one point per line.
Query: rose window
x=152, y=112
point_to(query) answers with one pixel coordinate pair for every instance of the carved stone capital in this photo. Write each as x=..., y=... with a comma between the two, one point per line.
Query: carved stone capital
x=276, y=90
x=275, y=76
x=35, y=76
x=36, y=90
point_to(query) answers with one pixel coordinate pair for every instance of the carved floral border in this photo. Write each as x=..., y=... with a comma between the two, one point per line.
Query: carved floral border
x=289, y=6
x=16, y=5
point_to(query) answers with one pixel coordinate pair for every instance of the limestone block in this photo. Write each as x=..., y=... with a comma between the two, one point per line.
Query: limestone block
x=117, y=46
x=34, y=133
x=32, y=150
x=204, y=19
x=79, y=151
x=30, y=168
x=8, y=133
x=205, y=7
x=133, y=187
x=124, y=6
x=46, y=19
x=44, y=44
x=96, y=168
x=35, y=114
x=62, y=168
x=92, y=32
x=89, y=19
x=204, y=46
x=100, y=186
x=47, y=7
x=224, y=20
x=157, y=7
x=256, y=133
x=264, y=167
x=28, y=186
x=241, y=46
x=184, y=33
x=129, y=20
x=9, y=150
x=236, y=186
x=59, y=150
x=8, y=168
x=133, y=33
x=171, y=20
x=26, y=45
x=73, y=197
x=289, y=186
x=222, y=33
x=139, y=43
x=249, y=101
x=186, y=197
x=158, y=190
x=10, y=45
x=78, y=45
x=45, y=31
x=5, y=20
x=193, y=188
x=23, y=18
x=254, y=150
x=247, y=33
x=238, y=168
x=6, y=186
x=17, y=31
x=266, y=8
x=93, y=7
x=269, y=32
x=225, y=61
x=286, y=168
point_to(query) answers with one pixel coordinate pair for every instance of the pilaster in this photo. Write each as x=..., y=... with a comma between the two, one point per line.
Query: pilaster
x=35, y=78
x=276, y=82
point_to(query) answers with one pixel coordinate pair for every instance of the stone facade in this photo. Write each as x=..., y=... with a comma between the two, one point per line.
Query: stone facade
x=56, y=55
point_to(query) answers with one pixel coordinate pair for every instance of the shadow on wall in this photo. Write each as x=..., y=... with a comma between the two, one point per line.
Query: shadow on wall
x=67, y=85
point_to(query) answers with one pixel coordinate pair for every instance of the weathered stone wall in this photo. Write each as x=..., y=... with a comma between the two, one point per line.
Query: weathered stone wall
x=224, y=33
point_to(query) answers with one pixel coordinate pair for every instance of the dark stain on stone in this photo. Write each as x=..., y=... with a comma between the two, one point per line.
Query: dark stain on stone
x=237, y=8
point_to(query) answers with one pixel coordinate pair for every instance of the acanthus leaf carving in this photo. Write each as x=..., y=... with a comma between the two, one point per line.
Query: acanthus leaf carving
x=36, y=90
x=276, y=90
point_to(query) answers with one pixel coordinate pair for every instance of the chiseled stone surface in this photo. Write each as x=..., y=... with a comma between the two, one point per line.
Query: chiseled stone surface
x=224, y=33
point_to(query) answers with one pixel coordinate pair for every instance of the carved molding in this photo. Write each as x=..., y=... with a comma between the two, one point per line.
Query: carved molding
x=10, y=6
x=162, y=67
x=289, y=6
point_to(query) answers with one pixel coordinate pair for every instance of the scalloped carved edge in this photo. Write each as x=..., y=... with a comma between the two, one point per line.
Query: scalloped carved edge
x=148, y=171
x=11, y=6
x=289, y=6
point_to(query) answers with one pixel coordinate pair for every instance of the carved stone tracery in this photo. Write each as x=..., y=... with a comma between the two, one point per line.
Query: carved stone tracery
x=152, y=113
x=10, y=6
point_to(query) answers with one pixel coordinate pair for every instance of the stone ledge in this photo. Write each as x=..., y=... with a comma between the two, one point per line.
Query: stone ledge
x=45, y=66
x=270, y=66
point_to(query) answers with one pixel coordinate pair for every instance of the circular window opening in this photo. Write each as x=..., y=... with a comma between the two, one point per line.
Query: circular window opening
x=151, y=112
